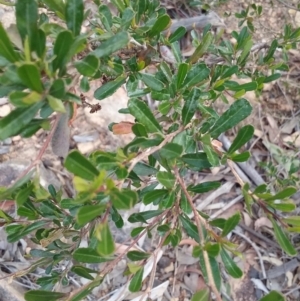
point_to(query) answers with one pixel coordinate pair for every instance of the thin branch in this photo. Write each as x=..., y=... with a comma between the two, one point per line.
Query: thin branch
x=199, y=219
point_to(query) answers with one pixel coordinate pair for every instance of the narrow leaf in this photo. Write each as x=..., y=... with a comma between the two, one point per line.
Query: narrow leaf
x=243, y=136
x=231, y=223
x=74, y=15
x=136, y=281
x=106, y=244
x=6, y=47
x=31, y=77
x=15, y=121
x=144, y=115
x=202, y=295
x=166, y=178
x=273, y=296
x=161, y=24
x=202, y=48
x=190, y=106
x=237, y=112
x=88, y=255
x=111, y=45
x=43, y=295
x=204, y=187
x=137, y=255
x=87, y=213
x=109, y=88
x=80, y=166
x=230, y=266
x=282, y=239
x=152, y=82
x=88, y=66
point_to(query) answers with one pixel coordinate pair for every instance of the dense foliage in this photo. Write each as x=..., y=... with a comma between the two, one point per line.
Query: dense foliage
x=178, y=136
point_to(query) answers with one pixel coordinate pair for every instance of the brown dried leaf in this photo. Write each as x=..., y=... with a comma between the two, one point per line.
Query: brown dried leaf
x=124, y=127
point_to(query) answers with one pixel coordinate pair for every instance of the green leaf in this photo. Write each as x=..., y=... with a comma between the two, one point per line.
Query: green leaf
x=240, y=157
x=197, y=161
x=58, y=6
x=171, y=151
x=230, y=266
x=190, y=106
x=181, y=74
x=214, y=268
x=88, y=66
x=154, y=196
x=143, y=216
x=202, y=48
x=62, y=46
x=245, y=52
x=105, y=17
x=190, y=228
x=118, y=41
x=43, y=295
x=74, y=15
x=292, y=220
x=16, y=120
x=165, y=69
x=87, y=290
x=31, y=77
x=27, y=17
x=5, y=216
x=273, y=296
x=81, y=166
x=58, y=88
x=204, y=187
x=109, y=88
x=83, y=272
x=136, y=281
x=123, y=199
x=160, y=25
x=137, y=231
x=106, y=244
x=243, y=136
x=271, y=51
x=56, y=104
x=166, y=179
x=88, y=255
x=6, y=47
x=282, y=239
x=237, y=112
x=142, y=169
x=212, y=156
x=137, y=255
x=87, y=213
x=285, y=193
x=231, y=223
x=196, y=75
x=144, y=115
x=272, y=77
x=152, y=82
x=202, y=295
x=177, y=34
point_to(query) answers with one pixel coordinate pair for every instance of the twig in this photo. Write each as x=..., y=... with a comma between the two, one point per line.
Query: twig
x=41, y=153
x=199, y=220
x=254, y=246
x=288, y=5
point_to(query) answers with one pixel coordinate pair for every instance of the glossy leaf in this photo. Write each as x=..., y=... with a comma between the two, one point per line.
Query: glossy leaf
x=88, y=255
x=83, y=272
x=166, y=179
x=204, y=187
x=237, y=112
x=171, y=151
x=88, y=66
x=214, y=268
x=137, y=231
x=230, y=266
x=282, y=239
x=243, y=136
x=190, y=228
x=190, y=106
x=240, y=157
x=31, y=77
x=198, y=73
x=177, y=34
x=202, y=295
x=160, y=25
x=285, y=193
x=109, y=88
x=181, y=74
x=136, y=281
x=154, y=196
x=231, y=223
x=152, y=82
x=80, y=166
x=123, y=199
x=16, y=120
x=143, y=216
x=87, y=213
x=106, y=244
x=273, y=296
x=144, y=115
x=6, y=47
x=202, y=48
x=74, y=15
x=197, y=161
x=61, y=48
x=38, y=295
x=137, y=255
x=111, y=45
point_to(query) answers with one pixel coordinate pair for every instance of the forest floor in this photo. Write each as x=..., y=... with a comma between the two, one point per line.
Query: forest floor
x=276, y=118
